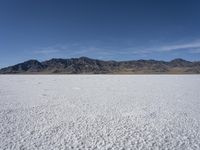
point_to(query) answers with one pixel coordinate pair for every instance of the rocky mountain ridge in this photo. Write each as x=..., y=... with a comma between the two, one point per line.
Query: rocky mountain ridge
x=85, y=65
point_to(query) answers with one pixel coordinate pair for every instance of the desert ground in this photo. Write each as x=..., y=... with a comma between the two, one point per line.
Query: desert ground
x=99, y=112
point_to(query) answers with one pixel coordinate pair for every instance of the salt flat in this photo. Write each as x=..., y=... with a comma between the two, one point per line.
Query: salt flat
x=99, y=112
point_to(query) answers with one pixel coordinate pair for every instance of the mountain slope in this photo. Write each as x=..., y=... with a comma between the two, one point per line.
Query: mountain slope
x=85, y=65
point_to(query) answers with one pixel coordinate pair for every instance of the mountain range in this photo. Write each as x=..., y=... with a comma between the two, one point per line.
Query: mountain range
x=85, y=65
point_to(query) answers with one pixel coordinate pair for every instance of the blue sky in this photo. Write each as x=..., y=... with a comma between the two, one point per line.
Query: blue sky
x=103, y=29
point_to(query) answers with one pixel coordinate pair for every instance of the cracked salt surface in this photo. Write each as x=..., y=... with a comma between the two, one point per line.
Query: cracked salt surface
x=100, y=112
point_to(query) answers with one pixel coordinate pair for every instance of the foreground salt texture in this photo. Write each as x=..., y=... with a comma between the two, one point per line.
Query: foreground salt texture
x=100, y=112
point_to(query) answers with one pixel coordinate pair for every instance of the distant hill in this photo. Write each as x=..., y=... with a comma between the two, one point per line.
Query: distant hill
x=85, y=65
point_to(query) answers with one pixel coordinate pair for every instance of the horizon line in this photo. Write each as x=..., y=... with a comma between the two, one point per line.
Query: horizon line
x=178, y=58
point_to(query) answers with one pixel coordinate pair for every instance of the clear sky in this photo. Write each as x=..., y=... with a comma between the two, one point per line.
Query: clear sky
x=103, y=29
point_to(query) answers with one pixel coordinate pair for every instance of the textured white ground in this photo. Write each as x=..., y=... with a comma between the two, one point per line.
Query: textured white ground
x=100, y=112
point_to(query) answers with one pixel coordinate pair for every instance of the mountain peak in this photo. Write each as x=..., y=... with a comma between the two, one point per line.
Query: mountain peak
x=179, y=60
x=32, y=61
x=84, y=57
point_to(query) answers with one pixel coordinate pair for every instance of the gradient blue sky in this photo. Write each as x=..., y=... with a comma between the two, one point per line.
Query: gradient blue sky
x=103, y=29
